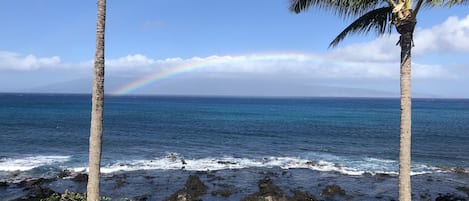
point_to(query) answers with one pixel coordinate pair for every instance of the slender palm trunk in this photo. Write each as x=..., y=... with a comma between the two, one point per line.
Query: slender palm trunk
x=405, y=136
x=96, y=130
x=406, y=28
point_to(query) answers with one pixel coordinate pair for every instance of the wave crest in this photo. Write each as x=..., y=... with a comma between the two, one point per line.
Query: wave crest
x=30, y=162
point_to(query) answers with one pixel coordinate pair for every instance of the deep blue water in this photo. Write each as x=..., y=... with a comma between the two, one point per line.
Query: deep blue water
x=43, y=133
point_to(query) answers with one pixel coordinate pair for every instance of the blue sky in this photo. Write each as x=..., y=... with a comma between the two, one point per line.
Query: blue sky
x=48, y=46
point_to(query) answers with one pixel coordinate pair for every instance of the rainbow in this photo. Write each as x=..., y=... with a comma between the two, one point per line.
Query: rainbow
x=198, y=63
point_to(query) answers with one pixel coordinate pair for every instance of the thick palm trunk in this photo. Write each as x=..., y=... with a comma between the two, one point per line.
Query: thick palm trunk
x=96, y=129
x=406, y=28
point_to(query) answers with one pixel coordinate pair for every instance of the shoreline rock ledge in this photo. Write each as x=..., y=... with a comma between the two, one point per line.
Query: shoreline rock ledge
x=268, y=191
x=192, y=191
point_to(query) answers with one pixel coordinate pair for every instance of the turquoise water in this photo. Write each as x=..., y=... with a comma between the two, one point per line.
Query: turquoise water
x=41, y=134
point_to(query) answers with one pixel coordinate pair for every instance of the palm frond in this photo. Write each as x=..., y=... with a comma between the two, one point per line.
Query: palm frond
x=441, y=3
x=433, y=3
x=377, y=19
x=345, y=8
x=457, y=2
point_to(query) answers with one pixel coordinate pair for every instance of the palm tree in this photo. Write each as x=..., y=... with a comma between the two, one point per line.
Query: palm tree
x=96, y=130
x=380, y=16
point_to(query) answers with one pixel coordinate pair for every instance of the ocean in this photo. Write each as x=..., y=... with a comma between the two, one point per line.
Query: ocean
x=43, y=134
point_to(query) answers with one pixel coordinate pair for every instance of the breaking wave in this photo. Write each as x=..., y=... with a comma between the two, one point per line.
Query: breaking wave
x=31, y=162
x=337, y=164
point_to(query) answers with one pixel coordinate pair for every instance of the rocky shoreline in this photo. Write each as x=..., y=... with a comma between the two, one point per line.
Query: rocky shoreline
x=245, y=185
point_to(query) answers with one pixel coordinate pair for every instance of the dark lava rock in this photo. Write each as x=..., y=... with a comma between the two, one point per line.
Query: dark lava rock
x=312, y=163
x=382, y=175
x=3, y=184
x=270, y=192
x=64, y=173
x=35, y=189
x=182, y=195
x=302, y=196
x=332, y=190
x=267, y=191
x=267, y=187
x=450, y=197
x=37, y=193
x=460, y=170
x=194, y=188
x=80, y=178
x=30, y=184
x=367, y=174
x=226, y=162
x=142, y=198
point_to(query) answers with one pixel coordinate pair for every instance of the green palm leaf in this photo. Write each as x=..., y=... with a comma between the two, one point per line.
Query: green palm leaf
x=456, y=2
x=345, y=8
x=433, y=3
x=378, y=20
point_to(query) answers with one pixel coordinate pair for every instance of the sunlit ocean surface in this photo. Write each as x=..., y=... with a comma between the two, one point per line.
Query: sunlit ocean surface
x=42, y=134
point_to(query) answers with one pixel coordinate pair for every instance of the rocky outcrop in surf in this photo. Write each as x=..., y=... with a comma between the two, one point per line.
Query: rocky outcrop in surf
x=193, y=189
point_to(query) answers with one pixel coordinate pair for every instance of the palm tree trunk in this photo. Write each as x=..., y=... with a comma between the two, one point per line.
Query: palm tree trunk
x=405, y=136
x=96, y=130
x=406, y=28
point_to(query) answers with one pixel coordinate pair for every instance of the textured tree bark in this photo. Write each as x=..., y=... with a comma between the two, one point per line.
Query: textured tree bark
x=96, y=129
x=406, y=28
x=405, y=134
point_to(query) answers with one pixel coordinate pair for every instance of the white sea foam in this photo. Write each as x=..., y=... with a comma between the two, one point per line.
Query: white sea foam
x=348, y=167
x=174, y=161
x=380, y=160
x=30, y=162
x=418, y=169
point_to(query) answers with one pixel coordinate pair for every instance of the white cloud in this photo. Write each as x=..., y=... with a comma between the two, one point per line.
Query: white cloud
x=382, y=49
x=377, y=59
x=130, y=62
x=452, y=36
x=346, y=64
x=299, y=65
x=14, y=61
x=425, y=71
x=209, y=64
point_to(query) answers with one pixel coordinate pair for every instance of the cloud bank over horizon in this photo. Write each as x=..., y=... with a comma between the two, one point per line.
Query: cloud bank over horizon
x=374, y=60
